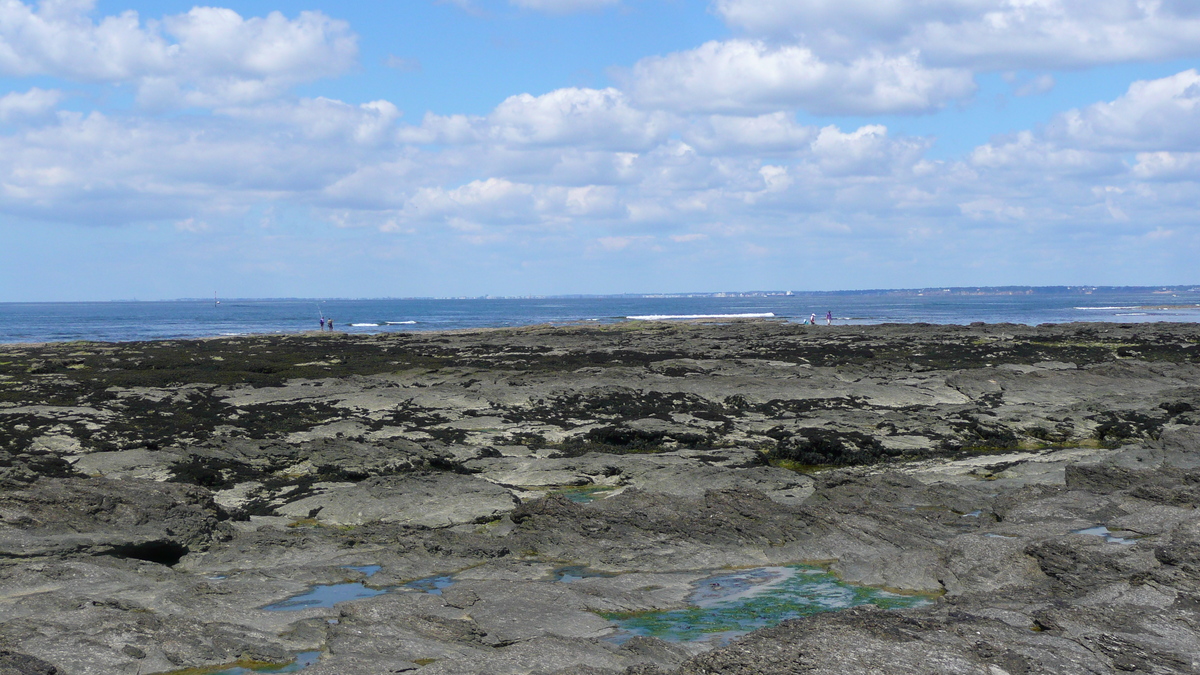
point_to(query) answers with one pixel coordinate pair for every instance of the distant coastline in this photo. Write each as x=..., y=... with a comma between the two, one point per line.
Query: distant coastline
x=914, y=292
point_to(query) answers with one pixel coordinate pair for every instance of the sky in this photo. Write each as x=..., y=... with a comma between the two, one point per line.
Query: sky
x=158, y=150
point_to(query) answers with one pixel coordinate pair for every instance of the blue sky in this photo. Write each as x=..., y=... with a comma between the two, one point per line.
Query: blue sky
x=510, y=147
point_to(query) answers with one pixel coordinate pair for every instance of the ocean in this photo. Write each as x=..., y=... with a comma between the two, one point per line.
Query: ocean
x=131, y=320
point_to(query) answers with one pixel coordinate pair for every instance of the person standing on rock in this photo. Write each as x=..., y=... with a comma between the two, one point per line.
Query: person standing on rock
x=330, y=322
x=812, y=319
x=829, y=318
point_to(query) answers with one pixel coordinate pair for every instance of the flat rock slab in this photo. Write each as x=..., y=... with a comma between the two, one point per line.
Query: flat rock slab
x=683, y=473
x=425, y=500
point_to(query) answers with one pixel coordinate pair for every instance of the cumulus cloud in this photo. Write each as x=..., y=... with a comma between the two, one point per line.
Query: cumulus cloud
x=31, y=105
x=104, y=169
x=773, y=133
x=753, y=76
x=1159, y=120
x=582, y=118
x=1162, y=114
x=865, y=151
x=987, y=34
x=208, y=56
x=327, y=119
x=1171, y=166
x=1026, y=153
x=498, y=201
x=590, y=165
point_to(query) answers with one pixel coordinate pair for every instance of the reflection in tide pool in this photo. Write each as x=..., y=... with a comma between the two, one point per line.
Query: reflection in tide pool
x=1102, y=531
x=432, y=585
x=324, y=596
x=730, y=605
x=303, y=660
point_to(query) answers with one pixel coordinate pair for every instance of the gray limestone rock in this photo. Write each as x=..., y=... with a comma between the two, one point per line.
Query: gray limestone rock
x=425, y=500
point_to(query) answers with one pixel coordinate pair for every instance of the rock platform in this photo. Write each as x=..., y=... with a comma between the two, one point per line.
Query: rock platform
x=155, y=497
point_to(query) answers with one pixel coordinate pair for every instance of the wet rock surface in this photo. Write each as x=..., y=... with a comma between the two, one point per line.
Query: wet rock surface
x=156, y=498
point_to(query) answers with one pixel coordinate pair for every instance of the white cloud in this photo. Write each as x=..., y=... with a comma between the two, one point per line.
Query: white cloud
x=1025, y=153
x=989, y=208
x=1038, y=85
x=865, y=151
x=327, y=119
x=771, y=133
x=574, y=117
x=987, y=34
x=498, y=201
x=31, y=105
x=1153, y=115
x=587, y=166
x=1167, y=166
x=208, y=56
x=751, y=76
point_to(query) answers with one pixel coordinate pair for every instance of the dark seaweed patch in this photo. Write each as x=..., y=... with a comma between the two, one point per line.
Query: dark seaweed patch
x=976, y=434
x=818, y=446
x=1115, y=427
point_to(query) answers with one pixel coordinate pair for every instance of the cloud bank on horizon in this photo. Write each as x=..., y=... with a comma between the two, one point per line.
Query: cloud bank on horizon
x=775, y=144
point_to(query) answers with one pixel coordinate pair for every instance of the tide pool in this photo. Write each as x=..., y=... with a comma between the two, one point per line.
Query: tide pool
x=324, y=596
x=728, y=605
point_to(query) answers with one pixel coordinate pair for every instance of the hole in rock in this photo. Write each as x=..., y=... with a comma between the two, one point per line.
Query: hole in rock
x=162, y=552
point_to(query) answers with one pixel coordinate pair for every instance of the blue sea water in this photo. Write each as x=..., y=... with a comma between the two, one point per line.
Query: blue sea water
x=127, y=321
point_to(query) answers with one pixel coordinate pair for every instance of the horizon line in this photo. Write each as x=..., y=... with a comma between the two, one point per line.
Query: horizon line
x=1187, y=288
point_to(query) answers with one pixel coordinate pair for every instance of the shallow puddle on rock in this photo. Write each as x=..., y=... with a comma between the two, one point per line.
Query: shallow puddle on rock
x=572, y=573
x=330, y=594
x=324, y=596
x=303, y=660
x=732, y=604
x=1102, y=531
x=586, y=494
x=432, y=585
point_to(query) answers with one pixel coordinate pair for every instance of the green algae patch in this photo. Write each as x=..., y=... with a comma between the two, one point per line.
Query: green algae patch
x=732, y=604
x=584, y=494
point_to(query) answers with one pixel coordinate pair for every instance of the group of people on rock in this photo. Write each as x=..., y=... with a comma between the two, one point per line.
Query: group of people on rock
x=812, y=319
x=326, y=322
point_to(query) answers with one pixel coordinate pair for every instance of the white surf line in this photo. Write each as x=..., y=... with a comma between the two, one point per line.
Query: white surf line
x=666, y=317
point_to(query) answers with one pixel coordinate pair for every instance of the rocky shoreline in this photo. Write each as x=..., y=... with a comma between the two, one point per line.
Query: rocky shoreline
x=156, y=497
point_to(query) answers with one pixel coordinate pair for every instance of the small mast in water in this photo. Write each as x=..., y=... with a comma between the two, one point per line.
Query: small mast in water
x=215, y=300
